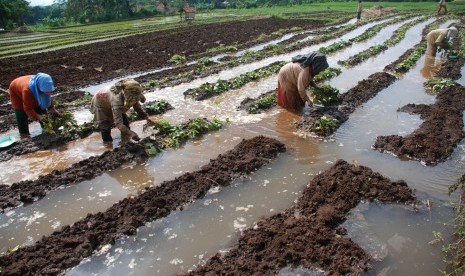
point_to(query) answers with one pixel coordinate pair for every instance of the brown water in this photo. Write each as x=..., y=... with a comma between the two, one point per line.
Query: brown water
x=394, y=235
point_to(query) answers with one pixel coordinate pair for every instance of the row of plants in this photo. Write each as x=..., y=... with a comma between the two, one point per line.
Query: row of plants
x=397, y=37
x=164, y=135
x=32, y=47
x=250, y=56
x=208, y=90
x=418, y=50
x=206, y=66
x=371, y=32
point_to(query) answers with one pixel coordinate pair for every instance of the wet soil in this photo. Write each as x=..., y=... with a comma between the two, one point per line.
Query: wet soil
x=438, y=135
x=46, y=141
x=66, y=248
x=80, y=65
x=364, y=90
x=310, y=234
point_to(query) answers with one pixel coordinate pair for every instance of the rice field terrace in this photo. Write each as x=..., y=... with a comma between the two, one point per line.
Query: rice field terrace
x=225, y=181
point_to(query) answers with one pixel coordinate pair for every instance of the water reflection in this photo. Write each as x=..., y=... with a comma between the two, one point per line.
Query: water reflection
x=430, y=67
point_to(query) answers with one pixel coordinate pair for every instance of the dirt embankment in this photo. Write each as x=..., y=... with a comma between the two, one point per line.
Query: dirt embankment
x=76, y=66
x=309, y=234
x=66, y=248
x=435, y=139
x=349, y=101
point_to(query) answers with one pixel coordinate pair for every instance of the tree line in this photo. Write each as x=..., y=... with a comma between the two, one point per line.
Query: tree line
x=15, y=13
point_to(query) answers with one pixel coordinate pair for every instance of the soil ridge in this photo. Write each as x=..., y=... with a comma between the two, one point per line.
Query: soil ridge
x=66, y=248
x=309, y=233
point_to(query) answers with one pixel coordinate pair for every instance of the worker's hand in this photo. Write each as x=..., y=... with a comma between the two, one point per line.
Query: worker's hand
x=40, y=117
x=149, y=121
x=54, y=111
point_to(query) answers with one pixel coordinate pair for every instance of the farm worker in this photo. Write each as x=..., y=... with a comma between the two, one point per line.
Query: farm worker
x=31, y=98
x=110, y=104
x=359, y=10
x=440, y=39
x=442, y=5
x=296, y=76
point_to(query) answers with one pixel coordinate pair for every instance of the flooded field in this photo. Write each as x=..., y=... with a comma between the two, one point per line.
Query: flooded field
x=396, y=237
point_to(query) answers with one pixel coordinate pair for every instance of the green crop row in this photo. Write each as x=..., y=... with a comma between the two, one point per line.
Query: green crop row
x=374, y=50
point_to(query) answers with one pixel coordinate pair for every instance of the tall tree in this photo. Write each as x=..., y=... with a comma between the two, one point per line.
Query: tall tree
x=13, y=11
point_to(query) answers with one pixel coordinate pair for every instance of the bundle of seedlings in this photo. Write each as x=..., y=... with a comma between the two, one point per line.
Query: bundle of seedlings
x=323, y=121
x=434, y=85
x=325, y=95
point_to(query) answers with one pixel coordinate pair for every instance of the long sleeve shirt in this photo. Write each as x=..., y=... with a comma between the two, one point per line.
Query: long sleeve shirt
x=295, y=79
x=109, y=107
x=438, y=38
x=22, y=98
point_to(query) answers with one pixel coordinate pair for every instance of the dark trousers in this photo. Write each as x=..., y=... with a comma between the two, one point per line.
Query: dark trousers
x=22, y=120
x=106, y=133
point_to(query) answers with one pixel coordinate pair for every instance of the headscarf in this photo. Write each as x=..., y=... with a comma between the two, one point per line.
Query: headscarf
x=452, y=33
x=132, y=91
x=39, y=84
x=314, y=60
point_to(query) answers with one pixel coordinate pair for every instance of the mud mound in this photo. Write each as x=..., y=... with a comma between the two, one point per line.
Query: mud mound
x=435, y=139
x=305, y=235
x=377, y=11
x=66, y=248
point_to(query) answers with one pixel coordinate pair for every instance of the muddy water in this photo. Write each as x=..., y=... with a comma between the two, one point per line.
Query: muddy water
x=178, y=242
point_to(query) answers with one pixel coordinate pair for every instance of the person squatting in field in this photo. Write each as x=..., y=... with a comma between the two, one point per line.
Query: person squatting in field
x=110, y=104
x=440, y=39
x=30, y=97
x=296, y=76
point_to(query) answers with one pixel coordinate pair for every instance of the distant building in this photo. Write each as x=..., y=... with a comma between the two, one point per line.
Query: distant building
x=188, y=13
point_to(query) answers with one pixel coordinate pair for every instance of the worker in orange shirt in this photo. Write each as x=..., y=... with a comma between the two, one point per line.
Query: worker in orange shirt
x=31, y=98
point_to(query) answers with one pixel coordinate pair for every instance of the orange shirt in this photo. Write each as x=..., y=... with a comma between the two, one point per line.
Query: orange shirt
x=22, y=98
